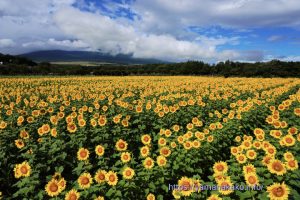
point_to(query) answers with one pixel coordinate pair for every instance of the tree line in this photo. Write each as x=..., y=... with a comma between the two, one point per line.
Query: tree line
x=14, y=65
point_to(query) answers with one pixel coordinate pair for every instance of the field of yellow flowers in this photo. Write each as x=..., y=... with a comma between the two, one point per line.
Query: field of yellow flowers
x=149, y=138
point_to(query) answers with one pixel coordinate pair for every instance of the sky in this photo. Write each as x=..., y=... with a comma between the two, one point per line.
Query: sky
x=171, y=30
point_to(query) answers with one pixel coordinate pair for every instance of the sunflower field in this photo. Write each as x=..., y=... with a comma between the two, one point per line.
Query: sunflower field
x=126, y=138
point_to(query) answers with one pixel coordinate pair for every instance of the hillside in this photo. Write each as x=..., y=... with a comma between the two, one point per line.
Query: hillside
x=67, y=56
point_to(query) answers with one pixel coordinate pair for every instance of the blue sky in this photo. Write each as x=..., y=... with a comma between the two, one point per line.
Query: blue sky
x=174, y=30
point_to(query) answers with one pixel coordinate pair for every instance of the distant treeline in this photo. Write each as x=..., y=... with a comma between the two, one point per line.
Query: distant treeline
x=12, y=65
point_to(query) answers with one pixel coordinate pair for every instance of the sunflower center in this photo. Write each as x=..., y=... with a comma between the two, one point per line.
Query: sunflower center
x=85, y=180
x=288, y=140
x=149, y=162
x=111, y=178
x=277, y=166
x=220, y=168
x=278, y=192
x=83, y=154
x=101, y=176
x=121, y=145
x=292, y=163
x=24, y=170
x=252, y=180
x=128, y=173
x=72, y=197
x=53, y=187
x=186, y=185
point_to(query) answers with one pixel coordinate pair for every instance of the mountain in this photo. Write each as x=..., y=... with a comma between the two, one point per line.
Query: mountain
x=67, y=56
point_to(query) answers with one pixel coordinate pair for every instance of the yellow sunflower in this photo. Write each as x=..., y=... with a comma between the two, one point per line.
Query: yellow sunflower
x=241, y=158
x=22, y=169
x=249, y=168
x=19, y=143
x=225, y=186
x=161, y=161
x=83, y=154
x=146, y=139
x=99, y=150
x=99, y=198
x=162, y=141
x=111, y=178
x=291, y=165
x=185, y=185
x=251, y=154
x=85, y=180
x=144, y=151
x=165, y=151
x=220, y=167
x=52, y=188
x=288, y=156
x=278, y=191
x=121, y=145
x=251, y=179
x=276, y=167
x=125, y=157
x=150, y=196
x=214, y=197
x=148, y=163
x=128, y=173
x=100, y=176
x=72, y=195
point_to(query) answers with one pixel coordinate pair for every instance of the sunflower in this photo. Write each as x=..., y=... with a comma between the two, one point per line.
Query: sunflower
x=251, y=154
x=214, y=197
x=289, y=140
x=187, y=145
x=121, y=145
x=53, y=132
x=125, y=157
x=146, y=139
x=72, y=195
x=276, y=167
x=148, y=163
x=165, y=151
x=297, y=111
x=99, y=150
x=150, y=196
x=52, y=188
x=22, y=169
x=220, y=167
x=210, y=138
x=161, y=161
x=83, y=154
x=19, y=143
x=249, y=168
x=85, y=180
x=185, y=184
x=173, y=145
x=225, y=186
x=46, y=128
x=266, y=160
x=176, y=194
x=241, y=158
x=196, y=144
x=246, y=144
x=176, y=128
x=234, y=151
x=128, y=173
x=111, y=178
x=100, y=176
x=81, y=123
x=278, y=191
x=293, y=130
x=144, y=151
x=62, y=184
x=24, y=134
x=71, y=127
x=99, y=198
x=291, y=165
x=251, y=179
x=288, y=156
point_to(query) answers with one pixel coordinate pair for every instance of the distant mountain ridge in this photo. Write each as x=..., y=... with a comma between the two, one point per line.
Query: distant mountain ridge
x=61, y=55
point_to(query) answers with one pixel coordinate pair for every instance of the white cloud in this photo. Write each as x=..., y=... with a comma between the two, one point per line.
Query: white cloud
x=6, y=43
x=110, y=36
x=275, y=38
